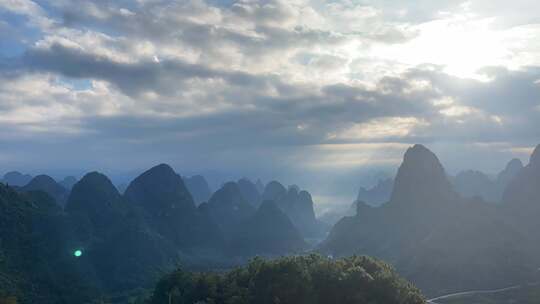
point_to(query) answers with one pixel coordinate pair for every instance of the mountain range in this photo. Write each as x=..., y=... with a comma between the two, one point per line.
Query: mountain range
x=76, y=240
x=442, y=241
x=107, y=242
x=472, y=183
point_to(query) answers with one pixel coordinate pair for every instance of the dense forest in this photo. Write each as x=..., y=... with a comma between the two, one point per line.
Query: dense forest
x=311, y=279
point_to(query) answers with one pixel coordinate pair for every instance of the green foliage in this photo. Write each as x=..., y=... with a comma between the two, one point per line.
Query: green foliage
x=35, y=252
x=299, y=279
x=8, y=300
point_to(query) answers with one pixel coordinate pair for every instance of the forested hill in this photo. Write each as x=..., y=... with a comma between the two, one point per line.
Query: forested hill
x=311, y=279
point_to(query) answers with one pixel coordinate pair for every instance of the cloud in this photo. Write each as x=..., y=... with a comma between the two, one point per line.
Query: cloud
x=313, y=90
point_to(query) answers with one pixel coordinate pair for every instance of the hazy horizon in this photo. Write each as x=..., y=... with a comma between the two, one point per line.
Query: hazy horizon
x=338, y=193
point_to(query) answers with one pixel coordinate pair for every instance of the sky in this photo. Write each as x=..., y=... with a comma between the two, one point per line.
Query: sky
x=324, y=94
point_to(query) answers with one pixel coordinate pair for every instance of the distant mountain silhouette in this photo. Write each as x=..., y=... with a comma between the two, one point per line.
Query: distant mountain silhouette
x=228, y=208
x=269, y=232
x=426, y=230
x=535, y=157
x=377, y=195
x=48, y=185
x=523, y=192
x=374, y=196
x=122, y=187
x=169, y=208
x=274, y=191
x=421, y=181
x=473, y=183
x=94, y=195
x=15, y=178
x=106, y=242
x=198, y=187
x=68, y=182
x=362, y=208
x=421, y=193
x=249, y=191
x=297, y=205
x=109, y=230
x=160, y=190
x=260, y=186
x=333, y=215
x=509, y=173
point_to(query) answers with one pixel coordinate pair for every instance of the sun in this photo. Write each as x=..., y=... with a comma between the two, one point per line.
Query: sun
x=461, y=44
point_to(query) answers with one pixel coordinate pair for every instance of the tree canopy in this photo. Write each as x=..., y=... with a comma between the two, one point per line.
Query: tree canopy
x=297, y=279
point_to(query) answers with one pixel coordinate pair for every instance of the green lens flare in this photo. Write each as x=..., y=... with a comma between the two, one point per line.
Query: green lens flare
x=77, y=253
